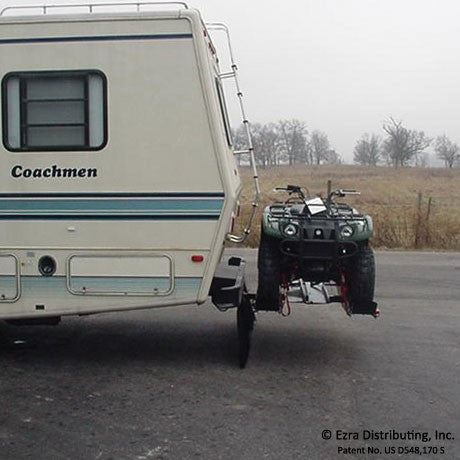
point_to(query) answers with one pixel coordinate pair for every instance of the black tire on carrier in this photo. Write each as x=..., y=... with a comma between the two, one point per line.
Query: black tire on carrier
x=269, y=266
x=361, y=280
x=245, y=319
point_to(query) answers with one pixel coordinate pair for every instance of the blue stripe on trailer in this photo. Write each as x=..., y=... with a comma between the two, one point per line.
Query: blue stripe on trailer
x=110, y=217
x=94, y=38
x=114, y=195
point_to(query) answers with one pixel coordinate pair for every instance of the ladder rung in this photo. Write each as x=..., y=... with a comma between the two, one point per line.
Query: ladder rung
x=227, y=75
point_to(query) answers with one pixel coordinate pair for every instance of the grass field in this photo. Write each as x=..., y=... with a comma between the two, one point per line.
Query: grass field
x=390, y=196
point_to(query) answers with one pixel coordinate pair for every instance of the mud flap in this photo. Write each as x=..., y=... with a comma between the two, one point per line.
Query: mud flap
x=228, y=284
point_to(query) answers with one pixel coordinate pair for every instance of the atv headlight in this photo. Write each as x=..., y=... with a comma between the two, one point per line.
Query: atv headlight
x=346, y=231
x=360, y=226
x=290, y=230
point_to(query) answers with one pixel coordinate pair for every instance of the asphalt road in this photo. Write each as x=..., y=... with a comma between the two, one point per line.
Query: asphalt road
x=165, y=384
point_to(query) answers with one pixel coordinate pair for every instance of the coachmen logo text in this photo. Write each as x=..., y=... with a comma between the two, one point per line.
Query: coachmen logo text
x=19, y=171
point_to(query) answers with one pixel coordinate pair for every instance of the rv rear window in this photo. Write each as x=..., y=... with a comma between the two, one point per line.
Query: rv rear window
x=54, y=111
x=224, y=111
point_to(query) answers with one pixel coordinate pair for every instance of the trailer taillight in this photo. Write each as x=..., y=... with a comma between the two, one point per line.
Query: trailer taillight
x=197, y=258
x=235, y=214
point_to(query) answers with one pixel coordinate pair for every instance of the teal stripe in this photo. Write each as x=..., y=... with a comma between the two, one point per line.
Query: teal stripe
x=103, y=206
x=41, y=287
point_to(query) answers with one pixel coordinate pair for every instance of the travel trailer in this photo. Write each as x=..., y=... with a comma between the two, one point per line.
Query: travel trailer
x=119, y=184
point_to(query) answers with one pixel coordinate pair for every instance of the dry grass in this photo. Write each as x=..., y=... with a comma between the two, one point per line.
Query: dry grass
x=389, y=195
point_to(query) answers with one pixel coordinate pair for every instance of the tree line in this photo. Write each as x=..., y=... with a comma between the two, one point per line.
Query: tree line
x=403, y=147
x=287, y=142
x=290, y=142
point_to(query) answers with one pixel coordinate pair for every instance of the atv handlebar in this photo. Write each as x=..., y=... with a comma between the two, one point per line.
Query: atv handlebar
x=341, y=192
x=292, y=189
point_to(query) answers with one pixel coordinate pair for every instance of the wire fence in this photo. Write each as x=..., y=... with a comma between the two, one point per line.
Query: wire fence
x=425, y=223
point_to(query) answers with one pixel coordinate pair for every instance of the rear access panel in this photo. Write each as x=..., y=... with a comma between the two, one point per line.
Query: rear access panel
x=140, y=274
x=9, y=278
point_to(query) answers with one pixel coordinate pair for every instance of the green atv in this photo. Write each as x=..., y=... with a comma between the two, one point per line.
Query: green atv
x=312, y=245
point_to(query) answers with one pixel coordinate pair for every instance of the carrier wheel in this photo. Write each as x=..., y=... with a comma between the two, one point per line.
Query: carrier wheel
x=268, y=264
x=245, y=323
x=361, y=280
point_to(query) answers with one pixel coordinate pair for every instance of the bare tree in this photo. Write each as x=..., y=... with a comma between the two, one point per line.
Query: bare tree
x=332, y=157
x=447, y=150
x=319, y=144
x=285, y=142
x=368, y=150
x=403, y=144
x=421, y=160
x=266, y=144
x=293, y=140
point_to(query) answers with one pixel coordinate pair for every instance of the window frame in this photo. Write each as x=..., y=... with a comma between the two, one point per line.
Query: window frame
x=84, y=74
x=224, y=111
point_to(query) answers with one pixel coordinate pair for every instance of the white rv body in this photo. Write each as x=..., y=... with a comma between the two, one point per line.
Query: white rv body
x=137, y=217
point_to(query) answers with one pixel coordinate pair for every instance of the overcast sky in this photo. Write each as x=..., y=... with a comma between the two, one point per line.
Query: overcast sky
x=344, y=66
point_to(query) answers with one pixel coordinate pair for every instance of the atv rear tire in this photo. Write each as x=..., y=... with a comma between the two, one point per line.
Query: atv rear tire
x=361, y=277
x=269, y=265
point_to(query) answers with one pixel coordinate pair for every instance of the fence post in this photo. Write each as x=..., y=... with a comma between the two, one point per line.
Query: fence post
x=427, y=222
x=418, y=222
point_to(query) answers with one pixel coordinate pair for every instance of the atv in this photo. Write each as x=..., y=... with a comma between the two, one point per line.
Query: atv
x=311, y=246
